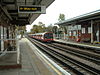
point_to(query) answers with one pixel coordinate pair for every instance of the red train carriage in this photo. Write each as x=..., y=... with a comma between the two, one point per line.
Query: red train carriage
x=45, y=37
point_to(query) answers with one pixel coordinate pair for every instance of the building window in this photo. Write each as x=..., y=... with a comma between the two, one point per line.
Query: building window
x=89, y=29
x=83, y=30
x=79, y=27
x=75, y=27
x=74, y=33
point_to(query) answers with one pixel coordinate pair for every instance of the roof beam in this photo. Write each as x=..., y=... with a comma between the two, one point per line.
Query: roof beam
x=20, y=22
x=22, y=17
x=8, y=2
x=6, y=12
x=92, y=18
x=14, y=14
x=13, y=11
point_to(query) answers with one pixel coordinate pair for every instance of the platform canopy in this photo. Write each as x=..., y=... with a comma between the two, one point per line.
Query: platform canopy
x=95, y=15
x=10, y=8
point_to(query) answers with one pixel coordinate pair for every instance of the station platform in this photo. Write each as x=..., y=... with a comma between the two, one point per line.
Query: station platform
x=33, y=62
x=9, y=60
x=87, y=45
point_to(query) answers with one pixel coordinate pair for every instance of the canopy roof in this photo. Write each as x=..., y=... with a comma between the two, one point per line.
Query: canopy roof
x=10, y=8
x=85, y=17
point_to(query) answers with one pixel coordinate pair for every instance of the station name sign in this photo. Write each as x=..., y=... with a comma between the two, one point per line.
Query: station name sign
x=32, y=9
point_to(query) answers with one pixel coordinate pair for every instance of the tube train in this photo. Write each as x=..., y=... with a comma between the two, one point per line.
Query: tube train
x=44, y=37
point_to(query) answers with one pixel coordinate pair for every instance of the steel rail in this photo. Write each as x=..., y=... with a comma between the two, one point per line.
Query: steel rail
x=88, y=68
x=78, y=53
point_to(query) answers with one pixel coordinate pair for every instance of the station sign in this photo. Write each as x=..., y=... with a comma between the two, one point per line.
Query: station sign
x=32, y=9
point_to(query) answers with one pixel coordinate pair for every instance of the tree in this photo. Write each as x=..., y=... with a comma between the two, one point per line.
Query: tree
x=54, y=29
x=35, y=29
x=38, y=28
x=21, y=29
x=41, y=27
x=49, y=28
x=61, y=17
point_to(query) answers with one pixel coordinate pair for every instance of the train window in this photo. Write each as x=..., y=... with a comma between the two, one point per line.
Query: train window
x=89, y=29
x=48, y=35
x=83, y=30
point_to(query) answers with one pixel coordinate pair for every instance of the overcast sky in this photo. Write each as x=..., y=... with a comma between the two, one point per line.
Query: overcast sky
x=70, y=8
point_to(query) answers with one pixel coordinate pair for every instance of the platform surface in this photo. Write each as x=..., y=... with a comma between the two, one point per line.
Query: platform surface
x=31, y=63
x=8, y=59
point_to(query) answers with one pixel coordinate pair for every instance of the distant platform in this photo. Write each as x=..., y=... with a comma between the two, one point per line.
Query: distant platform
x=88, y=45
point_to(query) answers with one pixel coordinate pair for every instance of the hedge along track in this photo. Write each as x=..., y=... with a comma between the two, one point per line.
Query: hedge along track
x=69, y=61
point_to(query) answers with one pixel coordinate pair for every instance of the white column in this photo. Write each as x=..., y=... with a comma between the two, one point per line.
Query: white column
x=0, y=37
x=98, y=32
x=92, y=31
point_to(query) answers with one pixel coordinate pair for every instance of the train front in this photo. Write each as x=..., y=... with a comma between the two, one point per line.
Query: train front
x=48, y=37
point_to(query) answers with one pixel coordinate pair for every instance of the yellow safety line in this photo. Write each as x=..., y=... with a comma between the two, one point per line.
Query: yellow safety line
x=59, y=73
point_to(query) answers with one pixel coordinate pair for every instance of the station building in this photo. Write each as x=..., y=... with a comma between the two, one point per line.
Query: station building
x=83, y=28
x=17, y=13
x=11, y=17
x=7, y=32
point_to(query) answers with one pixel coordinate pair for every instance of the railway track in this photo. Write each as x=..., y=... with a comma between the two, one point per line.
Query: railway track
x=70, y=59
x=91, y=56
